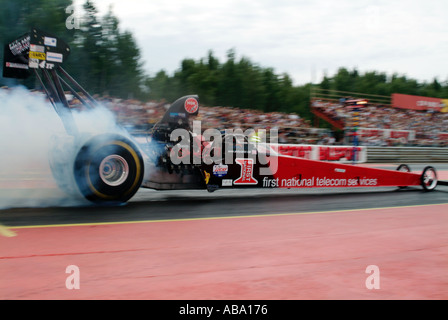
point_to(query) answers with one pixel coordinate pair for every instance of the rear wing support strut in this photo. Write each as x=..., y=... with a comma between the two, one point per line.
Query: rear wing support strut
x=41, y=51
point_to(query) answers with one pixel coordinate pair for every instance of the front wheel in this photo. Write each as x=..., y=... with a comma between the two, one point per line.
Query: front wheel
x=428, y=179
x=403, y=168
x=109, y=169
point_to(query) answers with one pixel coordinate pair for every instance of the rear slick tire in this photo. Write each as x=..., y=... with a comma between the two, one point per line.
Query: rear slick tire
x=109, y=169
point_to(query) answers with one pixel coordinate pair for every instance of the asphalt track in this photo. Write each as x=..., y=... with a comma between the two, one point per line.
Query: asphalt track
x=264, y=244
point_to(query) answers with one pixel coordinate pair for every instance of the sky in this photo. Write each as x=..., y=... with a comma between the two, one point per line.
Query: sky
x=305, y=39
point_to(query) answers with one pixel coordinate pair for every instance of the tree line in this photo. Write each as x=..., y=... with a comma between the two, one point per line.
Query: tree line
x=237, y=83
x=107, y=61
x=379, y=83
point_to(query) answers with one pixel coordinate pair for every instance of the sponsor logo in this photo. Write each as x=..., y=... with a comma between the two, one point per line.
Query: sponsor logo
x=51, y=42
x=191, y=105
x=399, y=134
x=19, y=46
x=294, y=150
x=299, y=182
x=338, y=153
x=220, y=170
x=46, y=65
x=177, y=114
x=227, y=182
x=429, y=104
x=247, y=170
x=54, y=57
x=33, y=63
x=37, y=55
x=36, y=48
x=16, y=65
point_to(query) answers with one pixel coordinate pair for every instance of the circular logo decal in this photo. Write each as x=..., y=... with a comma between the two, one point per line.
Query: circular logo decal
x=191, y=105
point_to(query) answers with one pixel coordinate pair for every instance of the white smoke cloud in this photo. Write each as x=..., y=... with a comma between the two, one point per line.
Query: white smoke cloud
x=29, y=126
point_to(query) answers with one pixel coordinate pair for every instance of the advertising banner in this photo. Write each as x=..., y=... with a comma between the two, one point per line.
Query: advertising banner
x=407, y=135
x=443, y=135
x=405, y=101
x=322, y=152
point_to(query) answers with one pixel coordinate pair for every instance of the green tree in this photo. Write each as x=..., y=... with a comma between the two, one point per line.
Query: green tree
x=108, y=60
x=253, y=93
x=228, y=89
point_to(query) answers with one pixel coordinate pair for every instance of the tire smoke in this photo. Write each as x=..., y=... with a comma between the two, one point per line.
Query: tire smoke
x=29, y=127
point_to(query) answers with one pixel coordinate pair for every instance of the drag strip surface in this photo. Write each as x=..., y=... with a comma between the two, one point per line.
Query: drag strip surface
x=155, y=205
x=230, y=244
x=187, y=204
x=326, y=255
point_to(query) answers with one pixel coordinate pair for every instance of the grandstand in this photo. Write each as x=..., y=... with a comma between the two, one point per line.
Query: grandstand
x=138, y=117
x=383, y=120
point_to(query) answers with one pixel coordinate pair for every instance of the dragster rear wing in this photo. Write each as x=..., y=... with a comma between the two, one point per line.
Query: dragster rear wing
x=34, y=50
x=42, y=54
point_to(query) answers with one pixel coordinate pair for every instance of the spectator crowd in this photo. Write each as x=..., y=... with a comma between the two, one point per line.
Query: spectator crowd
x=427, y=128
x=139, y=117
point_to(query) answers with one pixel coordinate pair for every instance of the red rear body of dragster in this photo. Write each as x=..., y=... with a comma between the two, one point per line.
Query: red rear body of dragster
x=282, y=171
x=295, y=173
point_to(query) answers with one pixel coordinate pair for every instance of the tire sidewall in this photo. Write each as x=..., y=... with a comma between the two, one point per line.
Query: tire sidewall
x=87, y=168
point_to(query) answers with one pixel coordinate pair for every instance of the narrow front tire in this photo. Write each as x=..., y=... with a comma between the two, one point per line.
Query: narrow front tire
x=429, y=178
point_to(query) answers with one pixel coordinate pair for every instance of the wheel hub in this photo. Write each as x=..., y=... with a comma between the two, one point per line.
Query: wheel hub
x=114, y=170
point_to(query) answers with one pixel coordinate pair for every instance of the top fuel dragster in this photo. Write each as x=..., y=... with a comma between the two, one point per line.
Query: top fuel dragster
x=111, y=167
